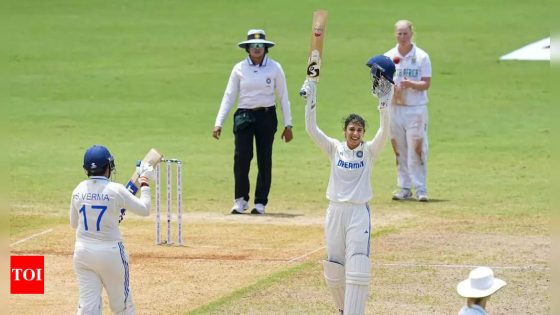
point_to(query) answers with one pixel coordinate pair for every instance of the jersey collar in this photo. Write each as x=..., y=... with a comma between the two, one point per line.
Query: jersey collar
x=263, y=63
x=346, y=147
x=411, y=53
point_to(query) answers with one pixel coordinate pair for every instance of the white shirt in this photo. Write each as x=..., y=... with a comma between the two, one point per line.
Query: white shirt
x=350, y=179
x=96, y=205
x=255, y=85
x=474, y=310
x=414, y=66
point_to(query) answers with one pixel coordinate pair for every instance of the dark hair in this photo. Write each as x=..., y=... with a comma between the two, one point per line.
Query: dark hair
x=477, y=301
x=356, y=119
x=98, y=172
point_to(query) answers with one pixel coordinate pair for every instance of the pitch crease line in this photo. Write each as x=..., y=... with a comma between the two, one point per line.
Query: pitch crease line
x=528, y=267
x=30, y=237
x=305, y=255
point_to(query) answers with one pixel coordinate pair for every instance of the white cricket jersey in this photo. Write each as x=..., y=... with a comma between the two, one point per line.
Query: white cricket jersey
x=255, y=85
x=350, y=179
x=473, y=310
x=414, y=66
x=96, y=205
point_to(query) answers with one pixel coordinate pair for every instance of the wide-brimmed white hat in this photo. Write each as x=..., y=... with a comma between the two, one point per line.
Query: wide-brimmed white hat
x=481, y=283
x=255, y=36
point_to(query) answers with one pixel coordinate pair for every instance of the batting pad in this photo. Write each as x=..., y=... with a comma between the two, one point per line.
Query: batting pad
x=335, y=279
x=357, y=282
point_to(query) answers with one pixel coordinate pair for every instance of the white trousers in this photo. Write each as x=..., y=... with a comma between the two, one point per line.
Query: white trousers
x=409, y=137
x=347, y=231
x=99, y=266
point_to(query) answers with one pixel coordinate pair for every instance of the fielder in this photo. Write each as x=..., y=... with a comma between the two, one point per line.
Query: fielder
x=347, y=225
x=409, y=116
x=100, y=260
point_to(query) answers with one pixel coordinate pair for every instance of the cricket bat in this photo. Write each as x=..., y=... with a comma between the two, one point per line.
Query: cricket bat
x=153, y=157
x=316, y=50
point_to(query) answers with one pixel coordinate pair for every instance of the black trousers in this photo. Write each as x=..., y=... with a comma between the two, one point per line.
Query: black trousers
x=262, y=129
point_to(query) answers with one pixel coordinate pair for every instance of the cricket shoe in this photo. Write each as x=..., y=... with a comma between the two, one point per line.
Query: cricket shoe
x=402, y=194
x=258, y=209
x=422, y=196
x=239, y=206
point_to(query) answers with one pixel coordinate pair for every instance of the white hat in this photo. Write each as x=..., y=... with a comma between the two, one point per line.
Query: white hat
x=481, y=283
x=255, y=36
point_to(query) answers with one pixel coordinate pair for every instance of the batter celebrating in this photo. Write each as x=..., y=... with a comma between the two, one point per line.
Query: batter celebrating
x=409, y=116
x=95, y=211
x=347, y=225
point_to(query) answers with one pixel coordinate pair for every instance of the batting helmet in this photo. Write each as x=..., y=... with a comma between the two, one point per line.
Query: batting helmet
x=97, y=158
x=382, y=65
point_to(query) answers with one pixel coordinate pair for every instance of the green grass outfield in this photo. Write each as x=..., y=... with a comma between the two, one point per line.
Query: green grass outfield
x=139, y=74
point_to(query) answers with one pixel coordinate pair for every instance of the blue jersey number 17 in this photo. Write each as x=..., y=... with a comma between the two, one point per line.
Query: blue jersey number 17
x=83, y=211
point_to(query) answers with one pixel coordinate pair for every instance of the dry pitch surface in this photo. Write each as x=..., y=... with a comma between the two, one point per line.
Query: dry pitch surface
x=271, y=265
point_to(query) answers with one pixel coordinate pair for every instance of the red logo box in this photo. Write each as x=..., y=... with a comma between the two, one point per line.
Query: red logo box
x=27, y=274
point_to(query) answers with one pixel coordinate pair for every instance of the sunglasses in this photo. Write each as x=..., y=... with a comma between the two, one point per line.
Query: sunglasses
x=256, y=45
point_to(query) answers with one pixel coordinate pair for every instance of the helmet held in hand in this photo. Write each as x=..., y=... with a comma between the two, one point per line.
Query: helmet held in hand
x=382, y=65
x=382, y=70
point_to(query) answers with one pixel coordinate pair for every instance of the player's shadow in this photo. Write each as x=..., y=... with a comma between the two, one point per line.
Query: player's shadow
x=438, y=200
x=282, y=215
x=269, y=214
x=432, y=200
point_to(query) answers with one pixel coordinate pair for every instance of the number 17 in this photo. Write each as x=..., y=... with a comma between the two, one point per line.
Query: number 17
x=83, y=211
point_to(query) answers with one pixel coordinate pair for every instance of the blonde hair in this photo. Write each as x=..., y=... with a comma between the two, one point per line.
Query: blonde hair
x=406, y=23
x=409, y=25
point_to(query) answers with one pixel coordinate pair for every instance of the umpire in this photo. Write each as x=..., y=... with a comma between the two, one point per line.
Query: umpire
x=254, y=81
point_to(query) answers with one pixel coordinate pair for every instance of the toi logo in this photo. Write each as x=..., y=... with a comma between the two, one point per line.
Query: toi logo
x=27, y=274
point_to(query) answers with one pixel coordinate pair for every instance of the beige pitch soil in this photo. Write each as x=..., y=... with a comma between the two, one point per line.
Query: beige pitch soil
x=416, y=268
x=416, y=265
x=221, y=253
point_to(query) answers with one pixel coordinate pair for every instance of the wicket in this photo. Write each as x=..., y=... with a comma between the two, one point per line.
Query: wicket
x=179, y=193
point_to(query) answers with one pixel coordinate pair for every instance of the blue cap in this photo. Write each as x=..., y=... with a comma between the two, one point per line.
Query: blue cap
x=382, y=65
x=98, y=157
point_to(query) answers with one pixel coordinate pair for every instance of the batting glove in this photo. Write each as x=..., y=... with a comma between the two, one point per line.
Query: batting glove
x=383, y=104
x=309, y=91
x=145, y=171
x=383, y=93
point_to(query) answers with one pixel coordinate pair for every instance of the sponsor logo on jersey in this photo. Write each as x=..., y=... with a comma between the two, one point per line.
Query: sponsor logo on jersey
x=350, y=165
x=406, y=72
